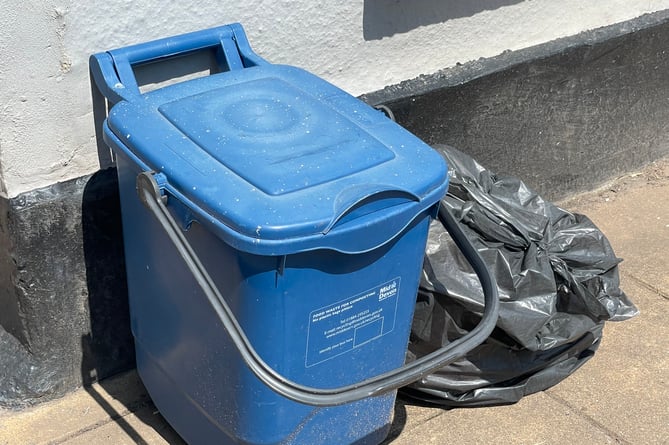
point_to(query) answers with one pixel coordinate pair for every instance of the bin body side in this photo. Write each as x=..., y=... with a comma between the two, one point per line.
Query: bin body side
x=321, y=318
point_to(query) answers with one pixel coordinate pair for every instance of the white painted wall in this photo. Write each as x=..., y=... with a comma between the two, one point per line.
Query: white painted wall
x=46, y=124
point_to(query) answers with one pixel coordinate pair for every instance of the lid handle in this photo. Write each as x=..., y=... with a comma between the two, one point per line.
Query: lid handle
x=361, y=200
x=112, y=71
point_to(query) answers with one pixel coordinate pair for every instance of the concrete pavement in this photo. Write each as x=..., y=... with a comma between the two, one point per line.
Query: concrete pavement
x=621, y=396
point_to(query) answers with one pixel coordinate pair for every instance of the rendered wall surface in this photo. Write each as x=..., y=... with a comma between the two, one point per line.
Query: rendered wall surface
x=565, y=116
x=46, y=126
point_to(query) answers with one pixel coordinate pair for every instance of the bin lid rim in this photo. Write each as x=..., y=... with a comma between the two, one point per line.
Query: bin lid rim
x=270, y=152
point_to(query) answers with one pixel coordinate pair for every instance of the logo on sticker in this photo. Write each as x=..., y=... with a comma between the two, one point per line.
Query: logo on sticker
x=388, y=291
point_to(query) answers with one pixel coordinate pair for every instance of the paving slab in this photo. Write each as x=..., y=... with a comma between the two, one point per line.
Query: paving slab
x=105, y=406
x=624, y=388
x=144, y=427
x=536, y=419
x=619, y=396
x=633, y=212
x=409, y=417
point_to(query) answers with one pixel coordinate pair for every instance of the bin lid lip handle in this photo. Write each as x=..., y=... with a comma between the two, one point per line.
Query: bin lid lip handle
x=366, y=198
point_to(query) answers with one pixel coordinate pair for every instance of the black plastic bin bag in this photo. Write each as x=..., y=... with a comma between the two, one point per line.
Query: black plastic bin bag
x=557, y=277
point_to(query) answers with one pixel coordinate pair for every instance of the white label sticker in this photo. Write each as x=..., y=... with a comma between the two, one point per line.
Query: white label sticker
x=351, y=323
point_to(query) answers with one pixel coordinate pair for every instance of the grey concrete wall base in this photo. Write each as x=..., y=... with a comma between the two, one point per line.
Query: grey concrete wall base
x=63, y=283
x=564, y=117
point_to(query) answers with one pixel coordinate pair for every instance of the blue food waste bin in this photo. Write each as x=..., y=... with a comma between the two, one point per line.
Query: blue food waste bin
x=274, y=231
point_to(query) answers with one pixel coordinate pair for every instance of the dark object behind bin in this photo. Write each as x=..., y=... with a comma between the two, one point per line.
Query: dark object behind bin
x=557, y=277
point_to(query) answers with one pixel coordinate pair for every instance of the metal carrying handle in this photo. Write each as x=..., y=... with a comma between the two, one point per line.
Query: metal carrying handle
x=150, y=195
x=112, y=71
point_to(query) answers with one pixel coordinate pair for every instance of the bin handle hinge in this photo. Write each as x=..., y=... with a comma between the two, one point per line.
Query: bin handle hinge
x=149, y=191
x=151, y=185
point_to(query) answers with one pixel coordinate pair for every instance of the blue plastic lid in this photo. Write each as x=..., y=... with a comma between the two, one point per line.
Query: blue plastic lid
x=279, y=161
